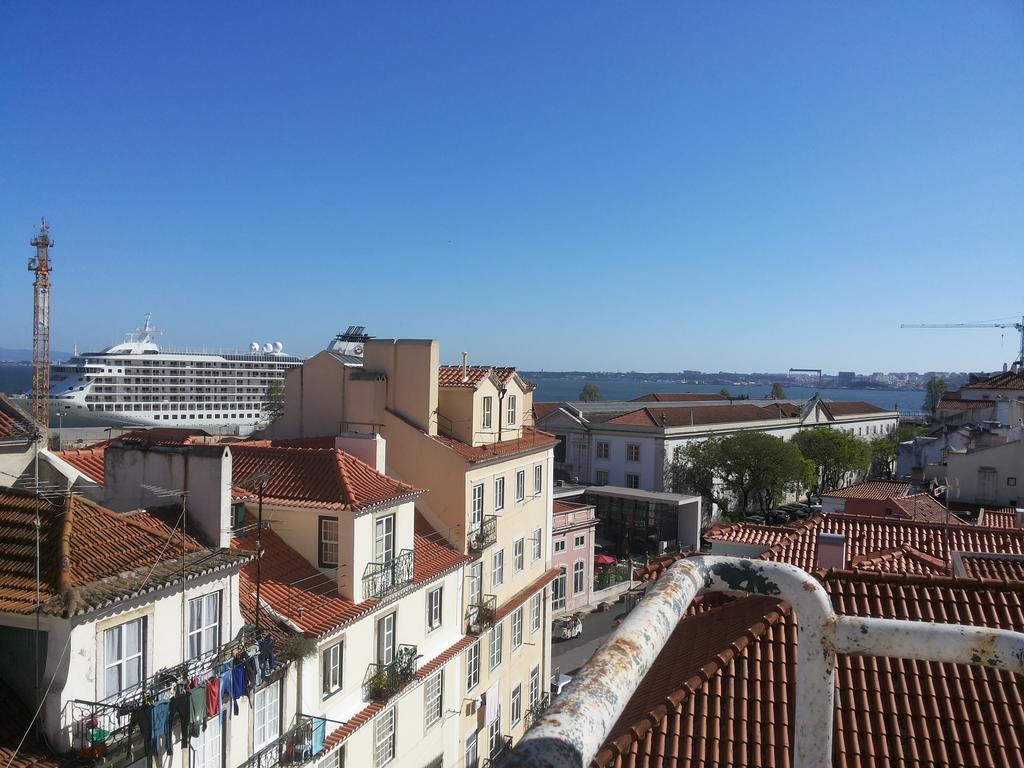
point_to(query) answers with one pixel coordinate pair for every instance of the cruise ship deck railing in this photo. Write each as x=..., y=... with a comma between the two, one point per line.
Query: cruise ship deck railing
x=572, y=730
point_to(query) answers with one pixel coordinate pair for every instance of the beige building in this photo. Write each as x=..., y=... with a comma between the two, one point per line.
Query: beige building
x=465, y=434
x=991, y=476
x=18, y=443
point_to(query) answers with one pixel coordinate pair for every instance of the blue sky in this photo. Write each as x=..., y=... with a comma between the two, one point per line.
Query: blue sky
x=613, y=186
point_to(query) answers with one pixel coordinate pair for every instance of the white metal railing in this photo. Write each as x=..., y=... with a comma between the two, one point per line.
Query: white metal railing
x=572, y=730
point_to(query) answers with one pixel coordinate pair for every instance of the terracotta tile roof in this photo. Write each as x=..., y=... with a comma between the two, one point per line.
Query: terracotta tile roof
x=15, y=424
x=722, y=692
x=852, y=407
x=451, y=375
x=316, y=478
x=678, y=397
x=702, y=415
x=163, y=436
x=541, y=410
x=340, y=734
x=867, y=535
x=995, y=517
x=110, y=558
x=952, y=401
x=15, y=719
x=88, y=461
x=653, y=570
x=1006, y=380
x=902, y=559
x=870, y=489
x=531, y=440
x=525, y=593
x=569, y=506
x=309, y=599
x=925, y=509
x=1004, y=568
x=750, y=533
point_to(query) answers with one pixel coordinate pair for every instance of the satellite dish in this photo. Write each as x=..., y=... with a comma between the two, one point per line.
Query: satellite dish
x=254, y=347
x=268, y=347
x=279, y=346
x=358, y=349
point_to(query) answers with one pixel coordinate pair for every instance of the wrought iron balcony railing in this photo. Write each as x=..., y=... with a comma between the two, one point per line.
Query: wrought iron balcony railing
x=535, y=710
x=481, y=614
x=483, y=535
x=500, y=752
x=290, y=750
x=382, y=681
x=383, y=579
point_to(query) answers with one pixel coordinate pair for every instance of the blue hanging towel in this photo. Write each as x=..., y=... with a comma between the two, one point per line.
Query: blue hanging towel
x=161, y=725
x=319, y=734
x=227, y=690
x=239, y=683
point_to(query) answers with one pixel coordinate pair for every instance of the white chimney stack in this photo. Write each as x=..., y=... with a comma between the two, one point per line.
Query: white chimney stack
x=1019, y=517
x=831, y=551
x=465, y=366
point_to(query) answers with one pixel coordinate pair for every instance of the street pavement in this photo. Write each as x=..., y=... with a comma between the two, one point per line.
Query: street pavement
x=567, y=656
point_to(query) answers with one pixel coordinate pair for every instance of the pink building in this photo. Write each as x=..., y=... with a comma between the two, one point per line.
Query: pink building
x=572, y=550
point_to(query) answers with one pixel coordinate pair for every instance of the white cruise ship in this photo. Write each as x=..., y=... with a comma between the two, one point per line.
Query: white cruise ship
x=138, y=384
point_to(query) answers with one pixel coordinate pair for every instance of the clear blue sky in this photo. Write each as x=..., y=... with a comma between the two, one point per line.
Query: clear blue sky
x=649, y=186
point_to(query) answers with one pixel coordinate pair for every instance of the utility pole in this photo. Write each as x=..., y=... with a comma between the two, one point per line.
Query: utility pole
x=40, y=265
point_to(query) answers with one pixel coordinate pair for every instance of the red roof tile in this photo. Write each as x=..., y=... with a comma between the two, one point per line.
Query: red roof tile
x=678, y=397
x=451, y=375
x=702, y=415
x=88, y=461
x=316, y=478
x=852, y=408
x=902, y=559
x=163, y=436
x=870, y=489
x=1005, y=380
x=525, y=593
x=925, y=509
x=1002, y=567
x=541, y=410
x=111, y=557
x=722, y=691
x=15, y=424
x=750, y=533
x=15, y=719
x=531, y=440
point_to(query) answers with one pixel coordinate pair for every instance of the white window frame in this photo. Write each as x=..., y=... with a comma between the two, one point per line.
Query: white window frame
x=519, y=555
x=471, y=754
x=521, y=485
x=517, y=629
x=497, y=638
x=124, y=661
x=325, y=542
x=477, y=510
x=511, y=409
x=559, y=601
x=435, y=609
x=332, y=669
x=266, y=717
x=535, y=544
x=633, y=452
x=579, y=575
x=535, y=685
x=208, y=746
x=559, y=545
x=579, y=540
x=494, y=733
x=535, y=612
x=516, y=706
x=384, y=535
x=203, y=624
x=602, y=449
x=499, y=494
x=487, y=413
x=433, y=698
x=335, y=759
x=601, y=477
x=498, y=568
x=473, y=666
x=632, y=480
x=538, y=479
x=384, y=738
x=385, y=637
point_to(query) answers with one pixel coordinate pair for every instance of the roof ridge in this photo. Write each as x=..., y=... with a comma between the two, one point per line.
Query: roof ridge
x=839, y=575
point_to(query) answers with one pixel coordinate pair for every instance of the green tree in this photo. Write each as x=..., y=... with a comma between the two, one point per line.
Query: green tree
x=778, y=393
x=724, y=392
x=274, y=402
x=590, y=393
x=835, y=454
x=934, y=391
x=694, y=469
x=883, y=457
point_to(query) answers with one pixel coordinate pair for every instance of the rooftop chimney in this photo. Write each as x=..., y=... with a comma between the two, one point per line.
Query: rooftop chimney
x=831, y=551
x=465, y=366
x=1019, y=517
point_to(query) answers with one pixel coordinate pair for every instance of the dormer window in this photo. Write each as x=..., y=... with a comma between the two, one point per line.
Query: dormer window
x=487, y=412
x=511, y=410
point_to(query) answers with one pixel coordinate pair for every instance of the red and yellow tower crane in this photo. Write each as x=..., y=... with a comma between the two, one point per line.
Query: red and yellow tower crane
x=40, y=265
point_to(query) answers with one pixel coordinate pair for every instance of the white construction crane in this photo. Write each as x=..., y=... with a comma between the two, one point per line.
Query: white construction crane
x=1019, y=327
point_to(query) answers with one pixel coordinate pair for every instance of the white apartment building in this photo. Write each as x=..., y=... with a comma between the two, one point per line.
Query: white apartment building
x=632, y=443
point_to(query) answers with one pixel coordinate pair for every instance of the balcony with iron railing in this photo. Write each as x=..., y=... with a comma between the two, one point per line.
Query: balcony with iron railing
x=570, y=732
x=483, y=535
x=389, y=576
x=100, y=730
x=481, y=614
x=382, y=681
x=536, y=709
x=500, y=752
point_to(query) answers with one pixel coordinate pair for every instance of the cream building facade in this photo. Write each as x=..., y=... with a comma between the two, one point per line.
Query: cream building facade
x=465, y=435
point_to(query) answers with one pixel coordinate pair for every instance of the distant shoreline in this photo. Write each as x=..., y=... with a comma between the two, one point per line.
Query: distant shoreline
x=681, y=380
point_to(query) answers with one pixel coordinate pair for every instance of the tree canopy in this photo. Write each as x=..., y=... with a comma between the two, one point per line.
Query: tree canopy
x=778, y=393
x=590, y=393
x=934, y=391
x=834, y=454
